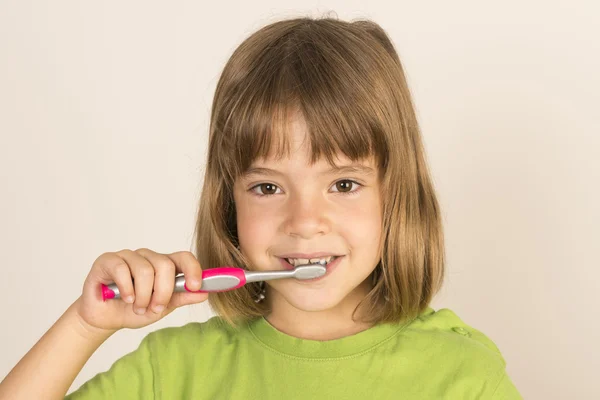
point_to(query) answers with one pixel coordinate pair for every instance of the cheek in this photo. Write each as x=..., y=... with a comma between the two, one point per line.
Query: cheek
x=362, y=225
x=255, y=227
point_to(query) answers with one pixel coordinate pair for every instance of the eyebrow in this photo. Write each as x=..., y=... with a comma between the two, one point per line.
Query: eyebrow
x=344, y=169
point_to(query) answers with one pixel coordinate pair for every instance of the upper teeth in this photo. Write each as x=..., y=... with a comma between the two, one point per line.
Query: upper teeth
x=302, y=261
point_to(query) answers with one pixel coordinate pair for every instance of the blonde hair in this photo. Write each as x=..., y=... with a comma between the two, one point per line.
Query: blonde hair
x=346, y=80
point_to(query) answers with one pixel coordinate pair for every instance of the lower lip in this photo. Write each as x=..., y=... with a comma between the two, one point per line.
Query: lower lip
x=329, y=268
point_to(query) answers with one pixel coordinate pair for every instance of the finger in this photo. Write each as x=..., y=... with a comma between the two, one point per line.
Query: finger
x=114, y=268
x=143, y=276
x=122, y=277
x=187, y=263
x=164, y=279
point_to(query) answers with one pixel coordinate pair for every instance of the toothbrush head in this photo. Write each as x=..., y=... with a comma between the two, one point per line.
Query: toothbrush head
x=309, y=271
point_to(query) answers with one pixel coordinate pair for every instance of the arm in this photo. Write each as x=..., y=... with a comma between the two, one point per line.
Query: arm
x=50, y=367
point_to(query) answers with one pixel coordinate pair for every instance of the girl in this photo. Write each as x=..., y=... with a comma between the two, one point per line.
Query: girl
x=314, y=153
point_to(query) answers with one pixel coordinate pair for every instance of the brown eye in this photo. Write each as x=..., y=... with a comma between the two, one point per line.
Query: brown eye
x=267, y=188
x=344, y=186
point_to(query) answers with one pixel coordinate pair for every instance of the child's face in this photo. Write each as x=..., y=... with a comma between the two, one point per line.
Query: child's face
x=311, y=210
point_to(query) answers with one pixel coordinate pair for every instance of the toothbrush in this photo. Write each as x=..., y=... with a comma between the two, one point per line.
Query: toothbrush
x=222, y=279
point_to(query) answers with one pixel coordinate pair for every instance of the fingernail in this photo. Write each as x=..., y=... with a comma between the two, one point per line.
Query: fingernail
x=140, y=311
x=128, y=299
x=158, y=309
x=194, y=284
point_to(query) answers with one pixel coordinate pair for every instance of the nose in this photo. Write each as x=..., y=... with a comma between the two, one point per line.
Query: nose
x=306, y=216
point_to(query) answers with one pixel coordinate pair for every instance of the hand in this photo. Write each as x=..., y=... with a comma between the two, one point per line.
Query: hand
x=138, y=306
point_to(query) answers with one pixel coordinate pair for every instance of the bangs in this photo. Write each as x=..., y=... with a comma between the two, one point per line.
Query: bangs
x=310, y=76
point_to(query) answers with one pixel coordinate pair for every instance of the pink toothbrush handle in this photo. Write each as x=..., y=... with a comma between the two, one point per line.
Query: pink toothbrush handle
x=220, y=279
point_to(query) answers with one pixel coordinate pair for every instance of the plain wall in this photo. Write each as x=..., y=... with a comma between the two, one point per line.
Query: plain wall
x=104, y=113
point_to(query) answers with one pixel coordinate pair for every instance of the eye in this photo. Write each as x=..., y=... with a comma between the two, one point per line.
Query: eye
x=267, y=189
x=345, y=185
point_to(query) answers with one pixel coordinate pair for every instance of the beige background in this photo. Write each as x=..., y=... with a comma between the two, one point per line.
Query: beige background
x=104, y=111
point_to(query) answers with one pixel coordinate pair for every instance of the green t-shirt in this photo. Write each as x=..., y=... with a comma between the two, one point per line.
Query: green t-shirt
x=436, y=356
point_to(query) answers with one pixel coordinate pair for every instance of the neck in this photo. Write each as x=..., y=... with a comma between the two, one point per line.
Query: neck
x=329, y=324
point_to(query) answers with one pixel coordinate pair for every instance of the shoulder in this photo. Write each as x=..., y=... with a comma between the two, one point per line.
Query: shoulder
x=443, y=339
x=446, y=326
x=455, y=357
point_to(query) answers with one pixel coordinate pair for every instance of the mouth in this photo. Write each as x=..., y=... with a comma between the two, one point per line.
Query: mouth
x=291, y=263
x=295, y=262
x=330, y=267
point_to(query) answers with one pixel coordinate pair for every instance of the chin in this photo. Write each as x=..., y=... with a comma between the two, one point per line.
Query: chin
x=319, y=300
